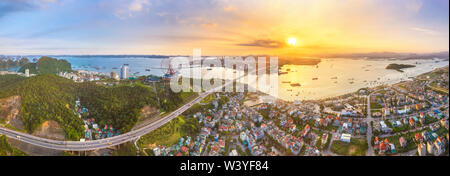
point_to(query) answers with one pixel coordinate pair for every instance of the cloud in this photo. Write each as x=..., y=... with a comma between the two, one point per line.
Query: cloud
x=425, y=31
x=138, y=5
x=414, y=5
x=12, y=6
x=264, y=44
x=135, y=7
x=229, y=8
x=209, y=25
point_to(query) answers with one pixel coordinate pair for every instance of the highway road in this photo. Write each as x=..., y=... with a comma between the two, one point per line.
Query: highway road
x=103, y=143
x=370, y=150
x=112, y=141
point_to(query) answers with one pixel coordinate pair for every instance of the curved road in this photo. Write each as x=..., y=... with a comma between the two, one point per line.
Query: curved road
x=112, y=141
x=103, y=143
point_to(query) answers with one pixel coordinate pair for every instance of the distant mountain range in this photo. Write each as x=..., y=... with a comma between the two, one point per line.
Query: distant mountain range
x=384, y=55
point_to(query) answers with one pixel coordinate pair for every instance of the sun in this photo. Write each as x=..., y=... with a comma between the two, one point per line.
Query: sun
x=292, y=41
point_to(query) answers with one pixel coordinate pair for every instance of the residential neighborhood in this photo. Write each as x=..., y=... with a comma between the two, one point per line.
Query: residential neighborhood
x=405, y=119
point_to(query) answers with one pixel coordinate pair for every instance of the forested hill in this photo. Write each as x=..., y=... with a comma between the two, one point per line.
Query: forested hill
x=5, y=64
x=50, y=97
x=47, y=65
x=44, y=97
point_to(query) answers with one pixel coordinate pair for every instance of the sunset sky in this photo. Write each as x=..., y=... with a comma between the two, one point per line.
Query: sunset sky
x=223, y=27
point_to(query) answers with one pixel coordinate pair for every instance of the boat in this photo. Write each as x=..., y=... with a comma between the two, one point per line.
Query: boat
x=282, y=73
x=147, y=69
x=315, y=79
x=286, y=82
x=290, y=90
x=296, y=85
x=288, y=70
x=209, y=69
x=334, y=77
x=351, y=82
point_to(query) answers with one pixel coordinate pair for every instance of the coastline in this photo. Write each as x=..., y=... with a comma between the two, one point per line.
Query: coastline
x=259, y=93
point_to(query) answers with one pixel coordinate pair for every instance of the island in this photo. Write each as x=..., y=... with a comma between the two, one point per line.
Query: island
x=399, y=67
x=47, y=65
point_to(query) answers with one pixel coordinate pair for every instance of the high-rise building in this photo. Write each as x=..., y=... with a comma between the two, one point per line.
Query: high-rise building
x=124, y=71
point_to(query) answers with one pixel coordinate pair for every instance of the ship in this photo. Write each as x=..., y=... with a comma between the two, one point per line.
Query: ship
x=282, y=73
x=315, y=79
x=296, y=85
x=286, y=82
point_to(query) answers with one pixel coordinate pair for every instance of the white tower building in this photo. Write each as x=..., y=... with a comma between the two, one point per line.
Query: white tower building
x=124, y=72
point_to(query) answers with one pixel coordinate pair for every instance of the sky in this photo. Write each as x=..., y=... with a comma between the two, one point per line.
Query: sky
x=222, y=27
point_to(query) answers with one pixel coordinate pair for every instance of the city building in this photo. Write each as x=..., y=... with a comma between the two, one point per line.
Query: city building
x=346, y=137
x=114, y=75
x=124, y=71
x=422, y=149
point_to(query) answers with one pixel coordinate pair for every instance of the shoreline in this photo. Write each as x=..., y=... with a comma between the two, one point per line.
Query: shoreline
x=333, y=97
